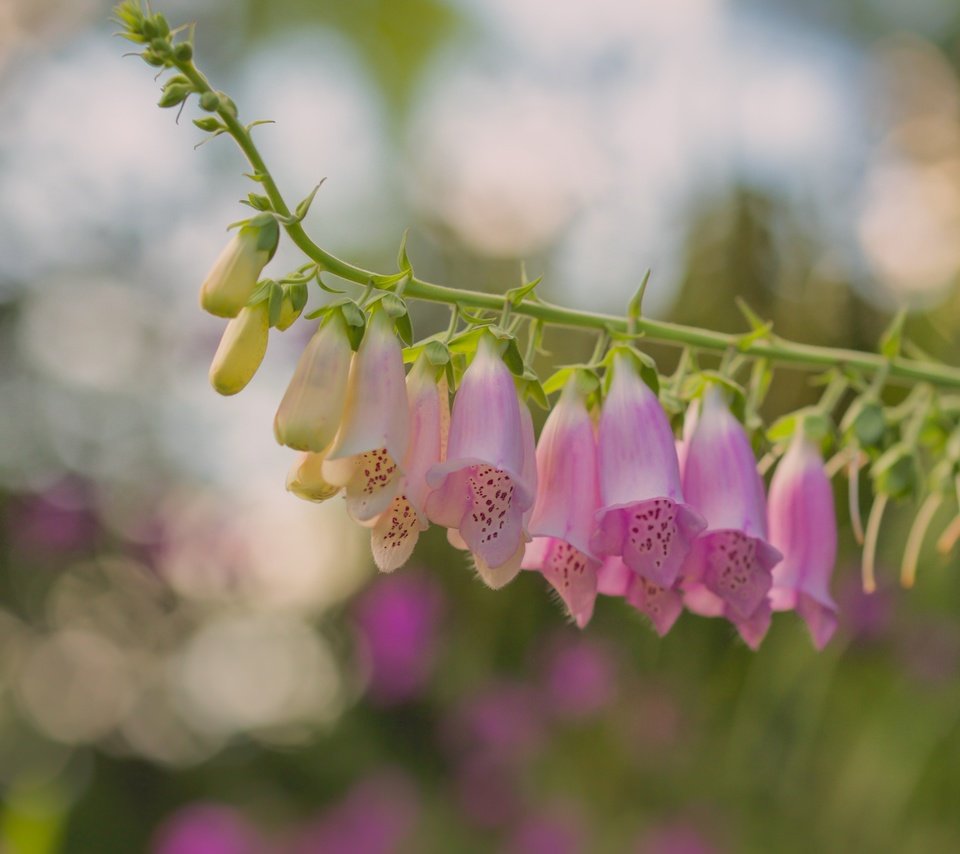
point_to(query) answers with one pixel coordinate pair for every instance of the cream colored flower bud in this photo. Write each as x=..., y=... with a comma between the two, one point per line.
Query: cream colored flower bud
x=305, y=479
x=309, y=414
x=241, y=349
x=233, y=279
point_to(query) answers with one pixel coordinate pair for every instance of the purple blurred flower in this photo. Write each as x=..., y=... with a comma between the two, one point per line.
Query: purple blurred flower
x=866, y=617
x=377, y=817
x=207, y=829
x=580, y=678
x=675, y=839
x=486, y=790
x=553, y=832
x=398, y=621
x=503, y=720
x=56, y=521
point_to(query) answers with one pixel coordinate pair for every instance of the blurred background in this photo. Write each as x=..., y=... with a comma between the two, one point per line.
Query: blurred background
x=194, y=662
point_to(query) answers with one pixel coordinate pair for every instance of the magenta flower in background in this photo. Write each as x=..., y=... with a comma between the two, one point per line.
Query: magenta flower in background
x=207, y=829
x=567, y=499
x=728, y=570
x=675, y=839
x=398, y=619
x=643, y=518
x=803, y=526
x=397, y=530
x=553, y=831
x=504, y=720
x=61, y=519
x=484, y=488
x=579, y=678
x=370, y=445
x=378, y=816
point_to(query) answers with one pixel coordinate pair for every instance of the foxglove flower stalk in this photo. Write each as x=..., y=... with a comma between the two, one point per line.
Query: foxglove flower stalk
x=488, y=481
x=397, y=529
x=241, y=350
x=728, y=569
x=643, y=518
x=233, y=278
x=371, y=442
x=310, y=412
x=804, y=527
x=567, y=499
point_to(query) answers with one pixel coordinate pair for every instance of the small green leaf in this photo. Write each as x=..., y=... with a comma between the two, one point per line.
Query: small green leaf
x=516, y=296
x=303, y=208
x=635, y=306
x=892, y=338
x=403, y=262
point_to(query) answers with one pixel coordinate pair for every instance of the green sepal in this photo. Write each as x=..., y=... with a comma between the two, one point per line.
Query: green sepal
x=865, y=423
x=437, y=353
x=275, y=304
x=261, y=291
x=512, y=358
x=643, y=363
x=209, y=124
x=695, y=385
x=635, y=306
x=533, y=390
x=258, y=202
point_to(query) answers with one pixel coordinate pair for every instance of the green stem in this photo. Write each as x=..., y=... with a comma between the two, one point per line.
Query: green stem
x=772, y=347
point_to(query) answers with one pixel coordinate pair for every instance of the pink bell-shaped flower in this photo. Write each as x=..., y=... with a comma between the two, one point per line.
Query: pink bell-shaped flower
x=803, y=526
x=728, y=569
x=567, y=499
x=488, y=480
x=370, y=445
x=643, y=518
x=397, y=530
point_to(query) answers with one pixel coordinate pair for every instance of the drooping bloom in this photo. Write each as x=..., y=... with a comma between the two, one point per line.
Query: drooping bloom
x=305, y=479
x=804, y=527
x=233, y=278
x=488, y=481
x=643, y=518
x=312, y=406
x=241, y=349
x=728, y=569
x=397, y=530
x=370, y=445
x=567, y=499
